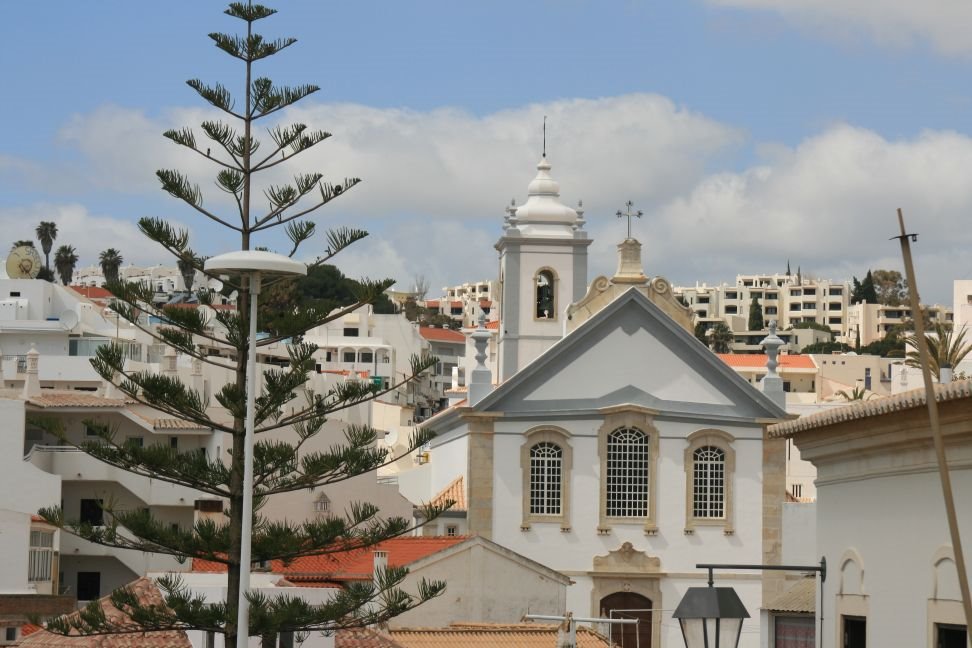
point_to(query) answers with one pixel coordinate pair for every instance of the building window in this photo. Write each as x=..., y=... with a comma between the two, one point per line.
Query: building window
x=950, y=636
x=350, y=331
x=731, y=310
x=709, y=464
x=322, y=504
x=452, y=530
x=349, y=356
x=855, y=631
x=89, y=586
x=627, y=473
x=545, y=460
x=709, y=483
x=545, y=478
x=731, y=295
x=794, y=632
x=10, y=633
x=41, y=556
x=367, y=356
x=797, y=490
x=545, y=303
x=92, y=512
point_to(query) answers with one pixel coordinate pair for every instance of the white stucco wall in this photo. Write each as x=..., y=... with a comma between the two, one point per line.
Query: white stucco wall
x=896, y=525
x=24, y=489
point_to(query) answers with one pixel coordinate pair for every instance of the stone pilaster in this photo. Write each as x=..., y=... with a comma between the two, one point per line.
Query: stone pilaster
x=479, y=493
x=774, y=494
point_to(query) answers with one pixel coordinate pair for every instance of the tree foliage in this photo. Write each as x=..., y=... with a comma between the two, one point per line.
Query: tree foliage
x=46, y=233
x=65, y=261
x=946, y=348
x=755, y=315
x=890, y=286
x=284, y=400
x=864, y=291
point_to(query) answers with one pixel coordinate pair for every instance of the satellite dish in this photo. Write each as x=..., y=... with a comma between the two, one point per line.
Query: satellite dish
x=69, y=319
x=215, y=284
x=23, y=262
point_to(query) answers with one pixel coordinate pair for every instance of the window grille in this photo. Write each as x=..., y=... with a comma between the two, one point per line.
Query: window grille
x=546, y=474
x=709, y=483
x=627, y=473
x=40, y=557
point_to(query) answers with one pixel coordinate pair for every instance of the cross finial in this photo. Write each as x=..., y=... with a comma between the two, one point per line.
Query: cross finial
x=544, y=136
x=628, y=213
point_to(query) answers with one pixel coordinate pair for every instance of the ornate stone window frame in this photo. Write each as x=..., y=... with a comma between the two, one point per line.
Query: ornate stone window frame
x=560, y=437
x=555, y=282
x=717, y=439
x=642, y=420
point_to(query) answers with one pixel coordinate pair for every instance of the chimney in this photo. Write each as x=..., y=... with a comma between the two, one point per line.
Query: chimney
x=197, y=381
x=455, y=378
x=480, y=381
x=380, y=565
x=945, y=375
x=772, y=384
x=169, y=361
x=32, y=379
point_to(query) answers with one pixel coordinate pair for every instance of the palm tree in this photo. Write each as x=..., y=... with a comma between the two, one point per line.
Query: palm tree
x=188, y=269
x=110, y=260
x=856, y=394
x=65, y=260
x=46, y=233
x=945, y=348
x=721, y=338
x=18, y=244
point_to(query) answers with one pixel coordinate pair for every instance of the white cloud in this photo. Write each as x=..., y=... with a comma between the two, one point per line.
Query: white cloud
x=942, y=23
x=829, y=205
x=88, y=233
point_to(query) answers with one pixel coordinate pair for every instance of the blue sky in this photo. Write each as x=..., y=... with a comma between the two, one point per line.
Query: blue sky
x=750, y=131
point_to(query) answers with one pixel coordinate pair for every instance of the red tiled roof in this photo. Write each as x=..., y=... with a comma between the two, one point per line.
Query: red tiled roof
x=194, y=305
x=493, y=326
x=92, y=292
x=455, y=304
x=148, y=593
x=74, y=399
x=349, y=565
x=441, y=334
x=432, y=303
x=455, y=491
x=28, y=629
x=758, y=360
x=363, y=638
x=489, y=635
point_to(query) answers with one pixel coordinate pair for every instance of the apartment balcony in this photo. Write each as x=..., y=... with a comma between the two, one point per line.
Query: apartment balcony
x=382, y=369
x=74, y=465
x=136, y=561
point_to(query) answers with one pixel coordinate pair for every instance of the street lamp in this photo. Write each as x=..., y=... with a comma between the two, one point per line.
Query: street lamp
x=254, y=264
x=711, y=617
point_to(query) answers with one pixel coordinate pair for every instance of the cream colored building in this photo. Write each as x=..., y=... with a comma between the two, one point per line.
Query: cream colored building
x=881, y=522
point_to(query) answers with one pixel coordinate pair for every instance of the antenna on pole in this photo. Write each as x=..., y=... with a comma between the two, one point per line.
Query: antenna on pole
x=544, y=136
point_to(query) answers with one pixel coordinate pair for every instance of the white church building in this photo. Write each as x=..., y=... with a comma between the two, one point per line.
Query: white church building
x=616, y=448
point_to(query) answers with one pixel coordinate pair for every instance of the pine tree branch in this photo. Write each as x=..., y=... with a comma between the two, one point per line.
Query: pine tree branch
x=175, y=184
x=178, y=138
x=328, y=193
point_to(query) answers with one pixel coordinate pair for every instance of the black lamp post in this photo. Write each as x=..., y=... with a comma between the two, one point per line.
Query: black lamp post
x=711, y=617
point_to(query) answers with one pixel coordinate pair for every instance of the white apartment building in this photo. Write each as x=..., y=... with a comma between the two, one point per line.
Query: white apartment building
x=792, y=299
x=464, y=302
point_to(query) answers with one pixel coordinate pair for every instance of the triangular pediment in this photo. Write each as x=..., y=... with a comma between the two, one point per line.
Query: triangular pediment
x=630, y=353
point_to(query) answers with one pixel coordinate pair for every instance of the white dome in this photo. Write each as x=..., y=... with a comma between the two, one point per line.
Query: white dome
x=543, y=205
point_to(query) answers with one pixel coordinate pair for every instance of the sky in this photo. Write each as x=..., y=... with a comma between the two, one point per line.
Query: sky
x=749, y=132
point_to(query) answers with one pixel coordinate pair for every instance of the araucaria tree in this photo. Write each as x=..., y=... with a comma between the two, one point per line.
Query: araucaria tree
x=285, y=400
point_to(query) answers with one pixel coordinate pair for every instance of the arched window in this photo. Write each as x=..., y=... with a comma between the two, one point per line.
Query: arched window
x=322, y=504
x=545, y=461
x=709, y=466
x=546, y=308
x=546, y=477
x=709, y=483
x=627, y=476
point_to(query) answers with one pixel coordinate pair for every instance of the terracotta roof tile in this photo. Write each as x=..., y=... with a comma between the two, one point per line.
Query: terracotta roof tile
x=875, y=407
x=176, y=424
x=758, y=360
x=455, y=491
x=441, y=334
x=74, y=399
x=490, y=635
x=28, y=629
x=363, y=638
x=147, y=592
x=349, y=565
x=432, y=303
x=493, y=326
x=799, y=598
x=92, y=292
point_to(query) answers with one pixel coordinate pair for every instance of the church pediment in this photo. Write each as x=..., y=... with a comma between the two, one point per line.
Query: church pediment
x=631, y=352
x=627, y=560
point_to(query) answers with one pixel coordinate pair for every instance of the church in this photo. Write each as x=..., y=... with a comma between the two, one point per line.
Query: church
x=611, y=445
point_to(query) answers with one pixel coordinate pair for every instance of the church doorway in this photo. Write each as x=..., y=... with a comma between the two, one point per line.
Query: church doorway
x=628, y=605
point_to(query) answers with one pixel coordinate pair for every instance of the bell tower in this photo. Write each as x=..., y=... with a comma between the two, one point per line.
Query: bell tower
x=543, y=269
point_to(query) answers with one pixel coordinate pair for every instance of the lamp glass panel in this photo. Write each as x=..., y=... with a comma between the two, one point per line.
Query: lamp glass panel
x=729, y=632
x=693, y=632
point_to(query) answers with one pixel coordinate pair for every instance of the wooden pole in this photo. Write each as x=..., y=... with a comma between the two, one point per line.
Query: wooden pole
x=936, y=430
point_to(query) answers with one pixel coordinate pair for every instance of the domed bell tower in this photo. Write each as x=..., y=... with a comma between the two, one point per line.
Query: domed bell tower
x=543, y=269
